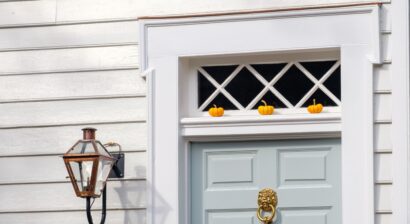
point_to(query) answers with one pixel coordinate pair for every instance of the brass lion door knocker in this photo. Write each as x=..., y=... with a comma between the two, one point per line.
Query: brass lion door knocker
x=267, y=202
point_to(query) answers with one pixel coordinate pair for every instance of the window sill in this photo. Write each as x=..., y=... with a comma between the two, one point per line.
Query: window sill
x=293, y=126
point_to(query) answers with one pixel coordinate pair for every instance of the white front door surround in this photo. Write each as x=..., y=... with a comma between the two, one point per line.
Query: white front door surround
x=166, y=48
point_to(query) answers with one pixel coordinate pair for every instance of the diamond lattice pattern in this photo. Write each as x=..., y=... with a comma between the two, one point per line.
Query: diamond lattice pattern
x=285, y=85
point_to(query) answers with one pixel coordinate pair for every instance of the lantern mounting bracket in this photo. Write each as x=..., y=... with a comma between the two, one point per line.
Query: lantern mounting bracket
x=117, y=170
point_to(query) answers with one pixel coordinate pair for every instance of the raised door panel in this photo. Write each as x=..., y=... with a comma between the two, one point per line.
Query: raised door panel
x=226, y=178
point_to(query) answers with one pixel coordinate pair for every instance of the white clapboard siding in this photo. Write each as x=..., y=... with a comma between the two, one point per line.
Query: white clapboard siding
x=33, y=169
x=383, y=167
x=72, y=111
x=68, y=59
x=69, y=10
x=24, y=13
x=69, y=35
x=71, y=85
x=385, y=17
x=72, y=10
x=57, y=140
x=382, y=137
x=74, y=217
x=386, y=49
x=382, y=107
x=382, y=78
x=383, y=218
x=61, y=196
x=27, y=12
x=383, y=197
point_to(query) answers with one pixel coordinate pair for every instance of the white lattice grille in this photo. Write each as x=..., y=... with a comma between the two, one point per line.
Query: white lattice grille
x=288, y=85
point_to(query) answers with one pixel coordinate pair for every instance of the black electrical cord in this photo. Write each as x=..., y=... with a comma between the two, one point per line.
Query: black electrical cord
x=91, y=206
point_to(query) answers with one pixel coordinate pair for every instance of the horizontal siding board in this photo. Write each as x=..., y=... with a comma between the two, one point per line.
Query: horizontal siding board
x=69, y=10
x=382, y=107
x=382, y=77
x=52, y=168
x=66, y=85
x=383, y=167
x=68, y=59
x=57, y=140
x=69, y=35
x=74, y=111
x=383, y=197
x=382, y=137
x=80, y=10
x=61, y=196
x=75, y=217
x=27, y=12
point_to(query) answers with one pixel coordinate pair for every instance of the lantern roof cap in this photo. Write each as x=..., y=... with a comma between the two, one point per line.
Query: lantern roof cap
x=89, y=133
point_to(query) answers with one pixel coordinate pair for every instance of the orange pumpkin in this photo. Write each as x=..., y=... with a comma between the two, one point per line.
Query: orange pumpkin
x=216, y=111
x=265, y=109
x=315, y=108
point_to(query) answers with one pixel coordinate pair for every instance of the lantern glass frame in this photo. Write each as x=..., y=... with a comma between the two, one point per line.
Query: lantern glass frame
x=99, y=154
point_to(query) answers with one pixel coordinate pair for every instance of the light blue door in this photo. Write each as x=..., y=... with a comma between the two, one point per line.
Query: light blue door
x=226, y=178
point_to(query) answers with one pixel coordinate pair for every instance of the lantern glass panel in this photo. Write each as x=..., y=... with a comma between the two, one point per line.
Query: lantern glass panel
x=83, y=147
x=82, y=171
x=102, y=150
x=104, y=168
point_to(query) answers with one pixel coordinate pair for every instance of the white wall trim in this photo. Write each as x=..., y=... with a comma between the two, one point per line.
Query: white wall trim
x=355, y=31
x=150, y=78
x=400, y=115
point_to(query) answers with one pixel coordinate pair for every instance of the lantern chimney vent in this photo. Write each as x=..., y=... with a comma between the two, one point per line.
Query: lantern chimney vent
x=89, y=133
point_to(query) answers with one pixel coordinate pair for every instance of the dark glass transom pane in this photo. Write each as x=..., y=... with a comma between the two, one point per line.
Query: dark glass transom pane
x=244, y=87
x=320, y=97
x=268, y=71
x=318, y=68
x=205, y=89
x=294, y=85
x=220, y=73
x=221, y=101
x=270, y=100
x=333, y=83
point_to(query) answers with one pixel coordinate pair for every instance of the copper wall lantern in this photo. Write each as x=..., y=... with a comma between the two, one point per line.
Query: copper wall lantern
x=89, y=165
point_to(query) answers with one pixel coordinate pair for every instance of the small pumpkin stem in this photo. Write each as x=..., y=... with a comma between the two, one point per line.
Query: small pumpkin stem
x=314, y=101
x=264, y=102
x=215, y=106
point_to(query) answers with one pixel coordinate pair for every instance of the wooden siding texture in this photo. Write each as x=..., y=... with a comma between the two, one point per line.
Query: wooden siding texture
x=66, y=64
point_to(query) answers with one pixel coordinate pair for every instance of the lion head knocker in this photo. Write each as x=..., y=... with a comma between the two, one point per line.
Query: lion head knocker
x=266, y=198
x=267, y=201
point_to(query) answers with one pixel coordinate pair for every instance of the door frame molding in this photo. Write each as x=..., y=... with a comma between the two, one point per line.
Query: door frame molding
x=166, y=44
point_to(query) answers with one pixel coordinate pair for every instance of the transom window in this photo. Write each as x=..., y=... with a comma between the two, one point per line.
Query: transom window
x=284, y=85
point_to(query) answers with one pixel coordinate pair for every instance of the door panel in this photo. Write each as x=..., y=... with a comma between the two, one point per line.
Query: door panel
x=227, y=176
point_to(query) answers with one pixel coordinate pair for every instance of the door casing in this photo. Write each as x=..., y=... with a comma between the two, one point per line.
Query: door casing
x=352, y=30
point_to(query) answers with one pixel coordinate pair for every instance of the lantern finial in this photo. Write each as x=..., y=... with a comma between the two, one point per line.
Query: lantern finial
x=89, y=133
